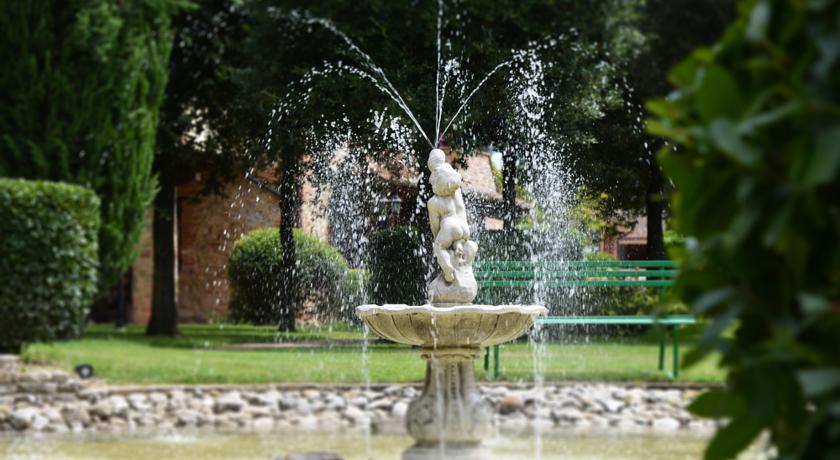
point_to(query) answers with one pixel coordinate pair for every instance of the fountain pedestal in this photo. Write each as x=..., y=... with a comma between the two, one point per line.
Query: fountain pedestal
x=449, y=419
x=449, y=410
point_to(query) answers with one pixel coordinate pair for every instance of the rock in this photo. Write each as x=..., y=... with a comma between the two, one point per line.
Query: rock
x=355, y=414
x=289, y=402
x=399, y=409
x=7, y=389
x=229, y=402
x=360, y=402
x=666, y=424
x=119, y=406
x=76, y=414
x=311, y=394
x=39, y=422
x=259, y=411
x=188, y=417
x=8, y=364
x=52, y=414
x=511, y=403
x=139, y=402
x=567, y=414
x=393, y=390
x=158, y=399
x=22, y=419
x=102, y=409
x=71, y=386
x=269, y=398
x=382, y=403
x=38, y=375
x=335, y=402
x=611, y=405
x=303, y=407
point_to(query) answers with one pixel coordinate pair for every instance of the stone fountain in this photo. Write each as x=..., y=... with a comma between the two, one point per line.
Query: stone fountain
x=449, y=419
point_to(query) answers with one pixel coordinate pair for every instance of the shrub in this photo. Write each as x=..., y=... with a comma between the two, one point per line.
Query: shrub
x=49, y=263
x=397, y=266
x=755, y=158
x=254, y=268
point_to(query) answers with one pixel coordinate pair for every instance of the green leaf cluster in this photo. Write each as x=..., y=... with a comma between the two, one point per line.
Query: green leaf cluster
x=48, y=242
x=754, y=133
x=81, y=86
x=255, y=270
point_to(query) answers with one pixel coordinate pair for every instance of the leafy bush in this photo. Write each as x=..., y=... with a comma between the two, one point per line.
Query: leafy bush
x=397, y=266
x=48, y=268
x=253, y=271
x=756, y=125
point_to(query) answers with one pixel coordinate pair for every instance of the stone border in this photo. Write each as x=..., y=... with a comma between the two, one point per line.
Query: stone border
x=49, y=400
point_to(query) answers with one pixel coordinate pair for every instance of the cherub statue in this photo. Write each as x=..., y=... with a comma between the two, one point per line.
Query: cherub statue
x=452, y=247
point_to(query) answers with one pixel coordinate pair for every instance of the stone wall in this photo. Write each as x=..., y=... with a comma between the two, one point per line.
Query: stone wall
x=49, y=400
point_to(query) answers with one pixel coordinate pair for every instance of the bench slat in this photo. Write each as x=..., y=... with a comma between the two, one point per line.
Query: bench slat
x=503, y=275
x=577, y=283
x=576, y=263
x=580, y=320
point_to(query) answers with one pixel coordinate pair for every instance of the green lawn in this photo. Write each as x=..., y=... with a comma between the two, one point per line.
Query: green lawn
x=199, y=356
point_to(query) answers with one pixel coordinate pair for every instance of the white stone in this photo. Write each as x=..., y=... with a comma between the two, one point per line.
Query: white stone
x=229, y=402
x=666, y=424
x=119, y=406
x=611, y=405
x=399, y=409
x=22, y=419
x=354, y=413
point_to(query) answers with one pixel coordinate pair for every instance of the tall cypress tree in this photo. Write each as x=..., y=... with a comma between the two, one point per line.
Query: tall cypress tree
x=79, y=96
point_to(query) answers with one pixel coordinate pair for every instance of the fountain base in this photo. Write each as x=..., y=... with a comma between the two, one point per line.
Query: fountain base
x=449, y=419
x=447, y=452
x=450, y=409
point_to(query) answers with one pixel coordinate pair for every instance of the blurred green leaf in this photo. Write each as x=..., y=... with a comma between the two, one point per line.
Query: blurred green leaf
x=715, y=403
x=725, y=135
x=816, y=382
x=820, y=165
x=717, y=95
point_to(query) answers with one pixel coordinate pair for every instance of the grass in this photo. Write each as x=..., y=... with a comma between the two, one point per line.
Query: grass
x=199, y=355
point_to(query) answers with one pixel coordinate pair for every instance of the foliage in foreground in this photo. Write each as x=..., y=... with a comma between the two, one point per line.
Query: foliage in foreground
x=756, y=125
x=48, y=268
x=254, y=271
x=81, y=86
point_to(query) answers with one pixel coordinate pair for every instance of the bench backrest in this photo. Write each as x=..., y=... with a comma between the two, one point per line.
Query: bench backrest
x=575, y=273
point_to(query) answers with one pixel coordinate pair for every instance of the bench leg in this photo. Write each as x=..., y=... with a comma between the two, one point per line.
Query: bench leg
x=496, y=361
x=676, y=339
x=662, y=349
x=487, y=361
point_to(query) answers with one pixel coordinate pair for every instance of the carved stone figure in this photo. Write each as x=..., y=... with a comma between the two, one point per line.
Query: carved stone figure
x=452, y=246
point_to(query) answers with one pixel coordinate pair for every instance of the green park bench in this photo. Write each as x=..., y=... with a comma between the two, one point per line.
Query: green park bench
x=493, y=276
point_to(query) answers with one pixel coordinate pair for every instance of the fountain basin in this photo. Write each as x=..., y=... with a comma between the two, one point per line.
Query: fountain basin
x=448, y=326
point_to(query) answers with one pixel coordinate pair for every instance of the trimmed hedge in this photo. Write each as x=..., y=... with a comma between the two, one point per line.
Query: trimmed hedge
x=253, y=271
x=49, y=264
x=397, y=266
